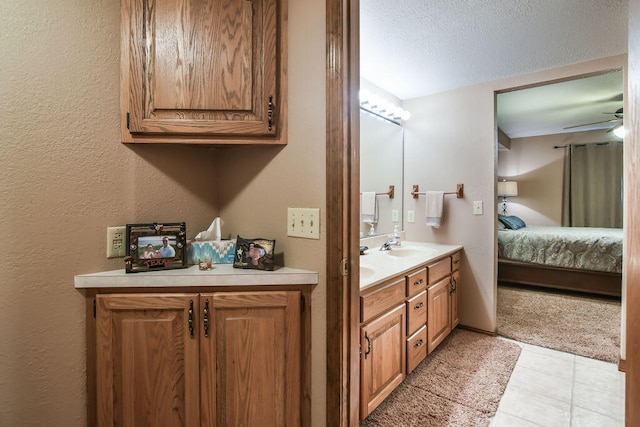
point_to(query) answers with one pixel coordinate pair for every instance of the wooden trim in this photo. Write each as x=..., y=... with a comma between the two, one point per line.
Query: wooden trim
x=622, y=365
x=597, y=282
x=480, y=331
x=92, y=391
x=343, y=189
x=632, y=220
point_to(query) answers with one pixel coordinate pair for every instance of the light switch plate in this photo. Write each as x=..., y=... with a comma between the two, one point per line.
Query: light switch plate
x=411, y=216
x=303, y=222
x=395, y=215
x=477, y=207
x=116, y=242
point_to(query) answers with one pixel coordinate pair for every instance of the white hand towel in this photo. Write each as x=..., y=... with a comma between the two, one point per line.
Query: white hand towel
x=435, y=203
x=368, y=206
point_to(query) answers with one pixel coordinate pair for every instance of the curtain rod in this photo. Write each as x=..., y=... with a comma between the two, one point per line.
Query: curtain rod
x=584, y=145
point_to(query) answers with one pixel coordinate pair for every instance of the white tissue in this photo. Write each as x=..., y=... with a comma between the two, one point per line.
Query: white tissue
x=211, y=233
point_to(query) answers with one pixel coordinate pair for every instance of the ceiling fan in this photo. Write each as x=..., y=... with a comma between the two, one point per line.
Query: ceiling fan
x=617, y=117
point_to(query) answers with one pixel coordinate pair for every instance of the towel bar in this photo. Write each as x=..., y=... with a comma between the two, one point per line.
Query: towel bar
x=459, y=191
x=390, y=193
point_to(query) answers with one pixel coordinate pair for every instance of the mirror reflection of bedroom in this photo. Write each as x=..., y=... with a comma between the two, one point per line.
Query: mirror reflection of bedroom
x=560, y=177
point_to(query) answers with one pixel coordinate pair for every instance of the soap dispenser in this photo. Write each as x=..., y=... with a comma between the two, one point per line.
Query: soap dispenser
x=396, y=234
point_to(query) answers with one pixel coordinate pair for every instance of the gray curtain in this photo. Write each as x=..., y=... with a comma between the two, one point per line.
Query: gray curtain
x=592, y=189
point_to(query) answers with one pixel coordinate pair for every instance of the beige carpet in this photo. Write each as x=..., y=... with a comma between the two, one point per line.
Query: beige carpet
x=583, y=325
x=459, y=384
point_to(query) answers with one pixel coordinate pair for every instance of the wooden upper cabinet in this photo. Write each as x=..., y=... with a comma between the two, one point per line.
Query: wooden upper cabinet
x=204, y=71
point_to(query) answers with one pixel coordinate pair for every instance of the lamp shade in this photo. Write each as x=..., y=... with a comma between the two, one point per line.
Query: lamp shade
x=507, y=188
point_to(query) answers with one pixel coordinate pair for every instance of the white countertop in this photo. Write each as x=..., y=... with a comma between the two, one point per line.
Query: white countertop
x=377, y=266
x=220, y=275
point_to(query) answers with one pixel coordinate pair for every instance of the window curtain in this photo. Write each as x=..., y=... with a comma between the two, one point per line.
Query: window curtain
x=592, y=188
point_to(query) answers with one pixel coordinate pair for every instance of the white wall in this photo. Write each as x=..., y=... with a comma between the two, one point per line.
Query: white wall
x=538, y=169
x=451, y=139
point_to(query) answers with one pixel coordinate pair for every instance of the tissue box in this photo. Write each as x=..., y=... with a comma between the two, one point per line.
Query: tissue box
x=220, y=251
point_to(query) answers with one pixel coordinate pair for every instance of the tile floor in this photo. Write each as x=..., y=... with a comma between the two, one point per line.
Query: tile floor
x=554, y=389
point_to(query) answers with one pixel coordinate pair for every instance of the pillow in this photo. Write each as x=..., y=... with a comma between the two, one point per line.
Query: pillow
x=512, y=222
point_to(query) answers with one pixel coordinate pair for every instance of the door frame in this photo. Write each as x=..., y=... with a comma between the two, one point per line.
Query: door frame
x=343, y=192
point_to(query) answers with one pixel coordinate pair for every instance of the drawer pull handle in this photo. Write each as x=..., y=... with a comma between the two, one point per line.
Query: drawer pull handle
x=419, y=306
x=205, y=318
x=190, y=319
x=418, y=282
x=418, y=343
x=366, y=337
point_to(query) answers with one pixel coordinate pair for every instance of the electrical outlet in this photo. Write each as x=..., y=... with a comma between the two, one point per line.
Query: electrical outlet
x=411, y=216
x=303, y=222
x=116, y=242
x=395, y=215
x=477, y=207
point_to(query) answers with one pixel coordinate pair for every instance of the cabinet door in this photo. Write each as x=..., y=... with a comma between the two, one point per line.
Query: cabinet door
x=147, y=360
x=251, y=359
x=202, y=68
x=383, y=360
x=438, y=316
x=455, y=298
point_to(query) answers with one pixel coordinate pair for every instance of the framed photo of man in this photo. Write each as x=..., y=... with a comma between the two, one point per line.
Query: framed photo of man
x=155, y=246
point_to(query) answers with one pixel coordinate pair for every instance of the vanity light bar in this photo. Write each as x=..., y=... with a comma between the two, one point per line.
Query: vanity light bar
x=380, y=107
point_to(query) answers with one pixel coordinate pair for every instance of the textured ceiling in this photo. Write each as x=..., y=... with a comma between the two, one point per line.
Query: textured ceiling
x=414, y=48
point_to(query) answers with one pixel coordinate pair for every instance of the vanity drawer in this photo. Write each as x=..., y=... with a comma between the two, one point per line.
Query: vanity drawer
x=383, y=298
x=439, y=270
x=416, y=282
x=416, y=312
x=455, y=261
x=416, y=348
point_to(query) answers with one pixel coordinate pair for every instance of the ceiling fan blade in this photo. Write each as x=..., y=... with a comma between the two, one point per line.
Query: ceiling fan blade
x=591, y=124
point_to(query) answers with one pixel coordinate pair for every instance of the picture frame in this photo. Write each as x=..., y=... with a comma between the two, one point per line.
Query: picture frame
x=155, y=246
x=256, y=254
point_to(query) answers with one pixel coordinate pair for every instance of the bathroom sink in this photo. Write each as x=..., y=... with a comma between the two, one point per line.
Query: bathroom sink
x=366, y=271
x=411, y=252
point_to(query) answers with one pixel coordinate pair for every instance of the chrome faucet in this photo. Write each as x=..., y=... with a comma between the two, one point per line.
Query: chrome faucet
x=391, y=241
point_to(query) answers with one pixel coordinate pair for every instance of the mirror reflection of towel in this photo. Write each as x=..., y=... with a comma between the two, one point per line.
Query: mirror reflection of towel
x=368, y=206
x=435, y=203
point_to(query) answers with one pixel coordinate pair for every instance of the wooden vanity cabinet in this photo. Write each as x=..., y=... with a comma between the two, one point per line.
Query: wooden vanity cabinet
x=382, y=342
x=443, y=299
x=416, y=317
x=198, y=358
x=455, y=295
x=382, y=364
x=439, y=318
x=402, y=320
x=209, y=72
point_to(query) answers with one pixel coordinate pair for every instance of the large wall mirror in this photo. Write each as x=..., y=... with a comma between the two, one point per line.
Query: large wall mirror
x=381, y=166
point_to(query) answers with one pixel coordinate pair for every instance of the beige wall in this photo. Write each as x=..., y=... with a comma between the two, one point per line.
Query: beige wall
x=538, y=169
x=65, y=177
x=451, y=138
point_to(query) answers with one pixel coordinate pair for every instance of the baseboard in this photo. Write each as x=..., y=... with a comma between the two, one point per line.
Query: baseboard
x=481, y=331
x=622, y=365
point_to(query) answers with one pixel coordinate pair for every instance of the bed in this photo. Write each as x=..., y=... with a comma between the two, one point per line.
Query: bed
x=584, y=259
